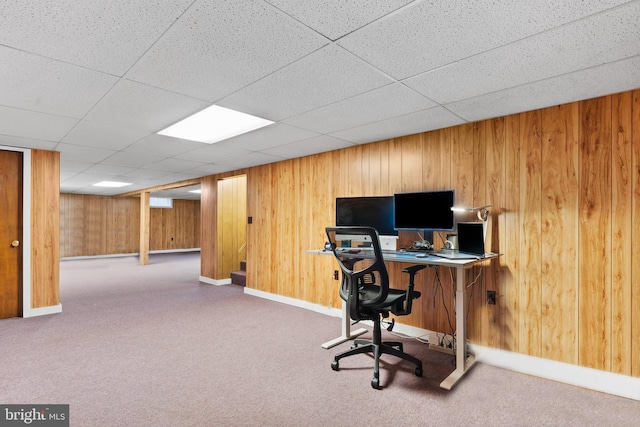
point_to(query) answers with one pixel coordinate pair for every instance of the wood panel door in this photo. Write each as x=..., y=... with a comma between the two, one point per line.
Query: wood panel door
x=10, y=234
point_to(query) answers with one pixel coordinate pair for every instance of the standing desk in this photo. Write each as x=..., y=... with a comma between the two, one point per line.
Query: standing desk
x=464, y=361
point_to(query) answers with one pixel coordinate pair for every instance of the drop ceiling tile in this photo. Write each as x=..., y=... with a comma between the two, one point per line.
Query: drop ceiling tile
x=65, y=175
x=130, y=159
x=146, y=174
x=379, y=104
x=100, y=35
x=251, y=159
x=161, y=145
x=73, y=166
x=421, y=121
x=34, y=125
x=318, y=144
x=324, y=77
x=605, y=37
x=32, y=82
x=108, y=170
x=208, y=169
x=428, y=35
x=80, y=180
x=103, y=135
x=590, y=83
x=174, y=165
x=219, y=47
x=142, y=107
x=78, y=153
x=14, y=141
x=335, y=19
x=267, y=137
x=213, y=153
x=176, y=177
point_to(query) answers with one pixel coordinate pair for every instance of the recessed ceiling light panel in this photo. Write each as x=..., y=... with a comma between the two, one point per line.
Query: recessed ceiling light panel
x=214, y=124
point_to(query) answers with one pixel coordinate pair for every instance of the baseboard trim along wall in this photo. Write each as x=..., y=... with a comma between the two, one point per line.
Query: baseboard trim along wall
x=43, y=311
x=215, y=282
x=159, y=251
x=592, y=379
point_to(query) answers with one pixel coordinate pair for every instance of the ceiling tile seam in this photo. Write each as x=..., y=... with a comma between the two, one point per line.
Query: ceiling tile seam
x=383, y=17
x=81, y=119
x=530, y=36
x=393, y=80
x=151, y=45
x=392, y=118
x=504, y=89
x=221, y=99
x=339, y=101
x=39, y=55
x=348, y=33
x=291, y=17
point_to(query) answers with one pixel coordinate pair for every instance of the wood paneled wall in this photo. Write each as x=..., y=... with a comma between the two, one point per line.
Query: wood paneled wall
x=102, y=225
x=175, y=228
x=564, y=183
x=45, y=228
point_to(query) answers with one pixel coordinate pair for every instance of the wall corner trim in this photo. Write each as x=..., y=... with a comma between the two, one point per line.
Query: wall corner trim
x=215, y=282
x=43, y=311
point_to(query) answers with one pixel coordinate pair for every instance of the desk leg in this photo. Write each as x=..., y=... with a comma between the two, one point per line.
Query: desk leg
x=346, y=329
x=463, y=363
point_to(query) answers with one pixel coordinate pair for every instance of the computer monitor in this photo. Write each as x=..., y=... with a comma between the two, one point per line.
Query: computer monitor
x=376, y=212
x=427, y=210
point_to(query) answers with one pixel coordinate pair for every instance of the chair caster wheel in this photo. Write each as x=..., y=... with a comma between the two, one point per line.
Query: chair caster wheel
x=375, y=383
x=335, y=365
x=418, y=372
x=354, y=346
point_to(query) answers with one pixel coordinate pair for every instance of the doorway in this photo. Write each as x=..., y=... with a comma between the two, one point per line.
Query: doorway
x=11, y=172
x=232, y=224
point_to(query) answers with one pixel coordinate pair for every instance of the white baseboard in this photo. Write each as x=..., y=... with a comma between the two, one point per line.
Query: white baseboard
x=295, y=302
x=592, y=379
x=216, y=282
x=160, y=251
x=43, y=311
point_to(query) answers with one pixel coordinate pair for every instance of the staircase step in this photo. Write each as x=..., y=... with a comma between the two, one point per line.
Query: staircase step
x=239, y=278
x=243, y=265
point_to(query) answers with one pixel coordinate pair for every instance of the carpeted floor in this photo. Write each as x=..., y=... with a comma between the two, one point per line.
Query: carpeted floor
x=151, y=346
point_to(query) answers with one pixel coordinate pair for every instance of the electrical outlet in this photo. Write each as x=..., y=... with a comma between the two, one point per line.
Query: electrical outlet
x=335, y=274
x=491, y=297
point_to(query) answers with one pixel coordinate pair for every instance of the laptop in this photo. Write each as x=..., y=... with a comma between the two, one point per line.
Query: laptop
x=470, y=242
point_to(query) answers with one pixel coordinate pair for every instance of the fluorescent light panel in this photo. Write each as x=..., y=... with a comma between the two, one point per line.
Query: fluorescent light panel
x=214, y=124
x=112, y=184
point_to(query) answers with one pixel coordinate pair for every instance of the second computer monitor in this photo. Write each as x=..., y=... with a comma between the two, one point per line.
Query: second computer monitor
x=427, y=210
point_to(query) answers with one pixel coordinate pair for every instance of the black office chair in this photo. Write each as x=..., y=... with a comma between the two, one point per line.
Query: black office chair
x=368, y=294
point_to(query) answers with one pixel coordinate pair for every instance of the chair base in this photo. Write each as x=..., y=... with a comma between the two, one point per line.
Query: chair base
x=377, y=348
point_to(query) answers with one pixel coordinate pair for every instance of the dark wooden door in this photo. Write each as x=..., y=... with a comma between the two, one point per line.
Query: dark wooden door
x=10, y=234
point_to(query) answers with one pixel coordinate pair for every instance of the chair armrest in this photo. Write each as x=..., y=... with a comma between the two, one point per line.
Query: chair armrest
x=404, y=307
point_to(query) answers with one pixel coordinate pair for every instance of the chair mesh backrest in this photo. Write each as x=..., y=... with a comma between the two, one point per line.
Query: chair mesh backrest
x=359, y=256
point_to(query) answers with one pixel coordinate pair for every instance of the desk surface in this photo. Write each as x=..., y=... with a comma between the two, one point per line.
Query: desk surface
x=408, y=257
